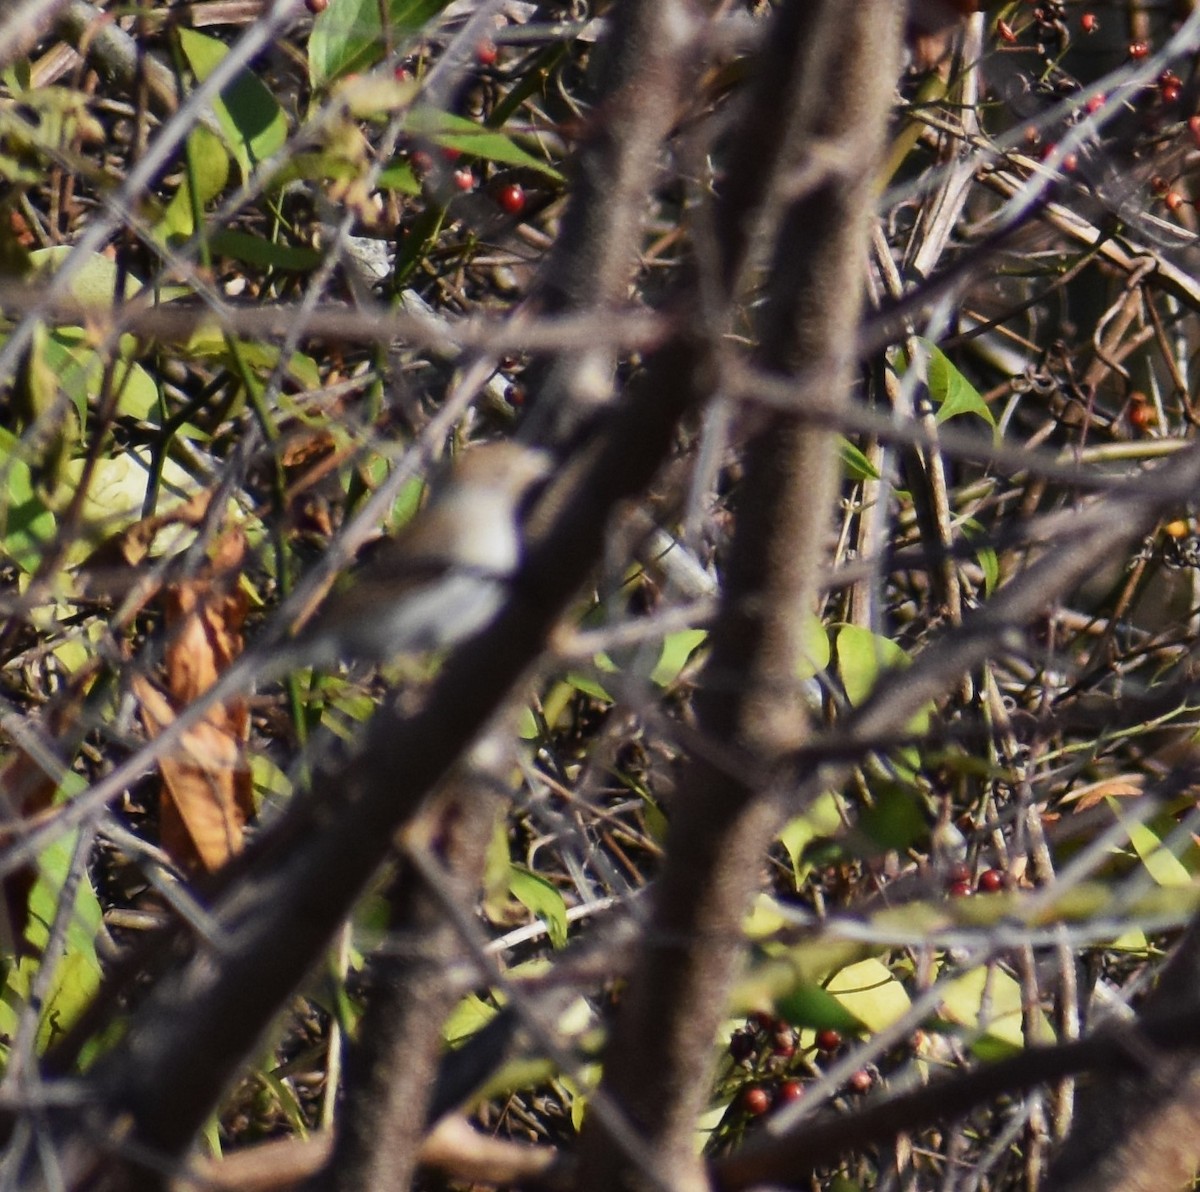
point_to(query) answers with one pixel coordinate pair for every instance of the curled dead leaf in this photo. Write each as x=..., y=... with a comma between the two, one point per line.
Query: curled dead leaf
x=207, y=793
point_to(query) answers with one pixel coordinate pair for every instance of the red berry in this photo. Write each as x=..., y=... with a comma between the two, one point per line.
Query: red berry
x=991, y=880
x=449, y=153
x=1094, y=104
x=464, y=179
x=1088, y=22
x=1139, y=50
x=421, y=160
x=828, y=1039
x=486, y=53
x=959, y=889
x=1142, y=415
x=1069, y=163
x=860, y=1082
x=788, y=1090
x=316, y=7
x=1173, y=200
x=511, y=198
x=401, y=74
x=958, y=871
x=755, y=1101
x=760, y=1020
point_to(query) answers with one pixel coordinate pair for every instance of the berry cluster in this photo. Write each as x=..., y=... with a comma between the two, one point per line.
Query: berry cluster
x=764, y=1039
x=959, y=883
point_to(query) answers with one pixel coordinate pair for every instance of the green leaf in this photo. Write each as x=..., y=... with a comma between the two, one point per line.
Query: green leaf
x=287, y=1101
x=821, y=819
x=540, y=898
x=249, y=115
x=952, y=392
x=861, y=657
x=210, y=344
x=816, y=649
x=328, y=166
x=117, y=490
x=407, y=502
x=855, y=464
x=870, y=992
x=810, y=1006
x=677, y=648
x=77, y=974
x=265, y=254
x=896, y=819
x=579, y=1101
x=989, y=1001
x=211, y=170
x=350, y=34
x=468, y=1018
x=27, y=526
x=400, y=176
x=588, y=686
x=80, y=372
x=989, y=561
x=457, y=132
x=524, y=1072
x=94, y=284
x=843, y=1183
x=1161, y=864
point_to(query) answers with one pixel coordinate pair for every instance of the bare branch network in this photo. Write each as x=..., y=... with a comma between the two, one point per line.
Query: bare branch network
x=599, y=596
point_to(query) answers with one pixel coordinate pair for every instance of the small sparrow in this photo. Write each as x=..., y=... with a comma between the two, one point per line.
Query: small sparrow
x=443, y=578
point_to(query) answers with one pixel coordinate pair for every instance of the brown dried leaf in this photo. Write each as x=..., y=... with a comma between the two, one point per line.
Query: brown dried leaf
x=206, y=787
x=1120, y=786
x=206, y=795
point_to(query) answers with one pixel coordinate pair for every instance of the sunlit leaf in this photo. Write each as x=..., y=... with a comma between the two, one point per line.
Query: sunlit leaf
x=816, y=651
x=249, y=115
x=951, y=391
x=871, y=992
x=587, y=685
x=350, y=34
x=27, y=526
x=677, y=649
x=540, y=898
x=1161, y=864
x=855, y=464
x=490, y=144
x=210, y=160
x=988, y=1000
x=820, y=818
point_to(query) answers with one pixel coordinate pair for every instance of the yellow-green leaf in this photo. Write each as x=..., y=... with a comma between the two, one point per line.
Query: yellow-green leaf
x=540, y=898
